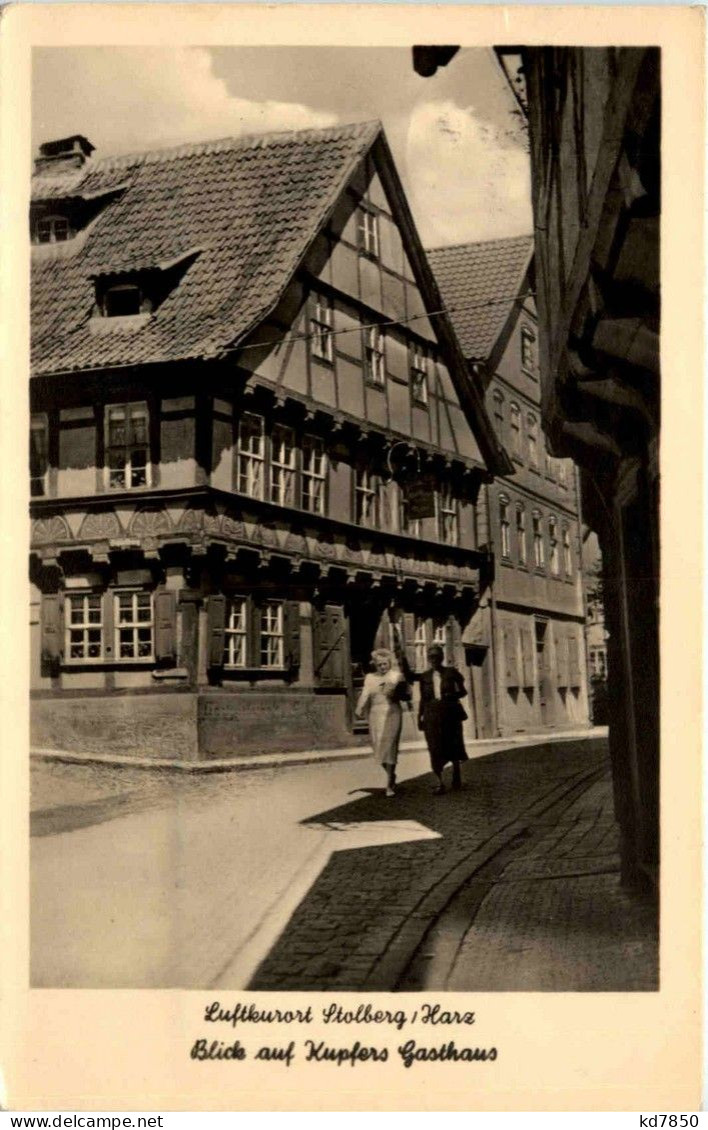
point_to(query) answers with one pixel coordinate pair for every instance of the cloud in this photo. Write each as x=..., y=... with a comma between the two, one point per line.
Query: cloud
x=125, y=99
x=466, y=181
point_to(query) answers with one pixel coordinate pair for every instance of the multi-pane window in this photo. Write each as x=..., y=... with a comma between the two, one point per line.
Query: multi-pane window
x=133, y=621
x=314, y=473
x=366, y=497
x=321, y=321
x=375, y=355
x=127, y=446
x=498, y=402
x=282, y=466
x=420, y=645
x=441, y=637
x=407, y=525
x=504, y=527
x=553, y=546
x=236, y=633
x=250, y=455
x=448, y=519
x=39, y=455
x=419, y=375
x=52, y=229
x=598, y=662
x=567, y=552
x=528, y=349
x=84, y=627
x=532, y=438
x=515, y=425
x=538, y=552
x=271, y=634
x=521, y=534
x=368, y=223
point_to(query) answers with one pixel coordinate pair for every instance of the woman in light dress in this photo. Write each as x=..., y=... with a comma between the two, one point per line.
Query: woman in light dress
x=380, y=702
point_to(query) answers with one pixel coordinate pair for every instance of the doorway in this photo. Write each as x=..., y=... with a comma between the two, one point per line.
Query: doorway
x=480, y=690
x=364, y=615
x=544, y=686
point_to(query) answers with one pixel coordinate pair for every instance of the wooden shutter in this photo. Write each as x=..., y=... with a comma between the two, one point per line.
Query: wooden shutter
x=216, y=620
x=573, y=662
x=291, y=633
x=329, y=630
x=511, y=657
x=527, y=656
x=165, y=628
x=52, y=627
x=562, y=660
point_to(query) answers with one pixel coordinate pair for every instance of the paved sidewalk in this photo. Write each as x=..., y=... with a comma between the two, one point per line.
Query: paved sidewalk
x=369, y=920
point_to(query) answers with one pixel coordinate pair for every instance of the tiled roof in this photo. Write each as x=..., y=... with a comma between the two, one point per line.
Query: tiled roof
x=249, y=207
x=472, y=274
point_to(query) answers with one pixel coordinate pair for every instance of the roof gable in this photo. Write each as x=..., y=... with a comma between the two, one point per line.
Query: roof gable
x=480, y=284
x=251, y=205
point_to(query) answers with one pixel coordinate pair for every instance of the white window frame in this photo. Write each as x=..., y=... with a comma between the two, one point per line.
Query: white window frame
x=236, y=634
x=448, y=515
x=313, y=450
x=271, y=631
x=419, y=376
x=83, y=626
x=321, y=326
x=135, y=625
x=521, y=546
x=366, y=498
x=504, y=528
x=39, y=422
x=553, y=555
x=441, y=639
x=539, y=552
x=251, y=461
x=375, y=355
x=133, y=410
x=283, y=465
x=54, y=225
x=368, y=228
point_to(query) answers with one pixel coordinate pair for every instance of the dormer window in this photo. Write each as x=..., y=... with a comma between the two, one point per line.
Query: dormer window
x=52, y=229
x=124, y=299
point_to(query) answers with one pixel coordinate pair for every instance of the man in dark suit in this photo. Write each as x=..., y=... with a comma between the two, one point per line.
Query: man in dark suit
x=440, y=717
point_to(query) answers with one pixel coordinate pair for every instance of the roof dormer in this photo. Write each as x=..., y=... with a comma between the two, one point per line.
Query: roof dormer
x=66, y=153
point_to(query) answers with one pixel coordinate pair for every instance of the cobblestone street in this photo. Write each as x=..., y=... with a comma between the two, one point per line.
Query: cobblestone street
x=307, y=877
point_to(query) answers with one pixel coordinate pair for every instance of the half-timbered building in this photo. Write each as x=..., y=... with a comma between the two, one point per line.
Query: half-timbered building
x=255, y=447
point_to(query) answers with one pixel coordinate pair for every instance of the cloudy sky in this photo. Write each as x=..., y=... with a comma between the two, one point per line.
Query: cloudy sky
x=456, y=142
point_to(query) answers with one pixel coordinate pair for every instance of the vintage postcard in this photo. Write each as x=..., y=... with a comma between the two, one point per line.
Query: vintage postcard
x=351, y=633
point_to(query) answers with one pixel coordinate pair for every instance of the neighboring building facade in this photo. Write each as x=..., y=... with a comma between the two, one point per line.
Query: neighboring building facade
x=594, y=122
x=236, y=394
x=595, y=630
x=594, y=117
x=532, y=615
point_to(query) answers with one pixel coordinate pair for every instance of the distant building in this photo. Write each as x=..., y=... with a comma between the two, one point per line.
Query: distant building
x=253, y=454
x=533, y=668
x=595, y=630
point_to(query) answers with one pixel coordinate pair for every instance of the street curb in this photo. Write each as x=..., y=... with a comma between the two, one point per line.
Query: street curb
x=309, y=757
x=390, y=967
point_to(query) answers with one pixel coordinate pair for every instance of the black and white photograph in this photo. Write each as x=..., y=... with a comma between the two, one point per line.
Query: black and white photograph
x=344, y=518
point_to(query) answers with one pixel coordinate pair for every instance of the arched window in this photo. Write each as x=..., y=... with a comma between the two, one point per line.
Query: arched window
x=521, y=533
x=553, y=546
x=538, y=553
x=515, y=424
x=504, y=526
x=532, y=438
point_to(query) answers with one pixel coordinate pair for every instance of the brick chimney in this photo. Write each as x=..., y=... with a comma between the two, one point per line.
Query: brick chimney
x=64, y=154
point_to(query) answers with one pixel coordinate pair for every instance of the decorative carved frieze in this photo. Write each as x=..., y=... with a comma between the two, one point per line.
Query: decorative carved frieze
x=103, y=525
x=150, y=523
x=50, y=530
